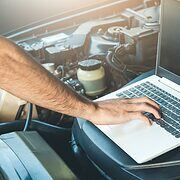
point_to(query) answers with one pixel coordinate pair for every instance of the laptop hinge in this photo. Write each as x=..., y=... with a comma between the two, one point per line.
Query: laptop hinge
x=170, y=84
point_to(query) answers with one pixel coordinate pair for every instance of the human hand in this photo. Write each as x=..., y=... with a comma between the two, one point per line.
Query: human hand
x=117, y=111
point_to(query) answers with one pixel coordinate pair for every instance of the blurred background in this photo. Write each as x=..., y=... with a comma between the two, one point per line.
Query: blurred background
x=18, y=13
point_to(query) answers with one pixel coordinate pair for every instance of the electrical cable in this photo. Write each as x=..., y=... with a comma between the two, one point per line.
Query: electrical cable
x=117, y=58
x=121, y=69
x=29, y=117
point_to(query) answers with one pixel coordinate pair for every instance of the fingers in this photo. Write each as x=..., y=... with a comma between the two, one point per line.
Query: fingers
x=123, y=110
x=138, y=115
x=144, y=100
x=144, y=107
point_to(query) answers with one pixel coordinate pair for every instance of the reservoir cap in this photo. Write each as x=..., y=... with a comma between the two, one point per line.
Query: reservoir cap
x=89, y=65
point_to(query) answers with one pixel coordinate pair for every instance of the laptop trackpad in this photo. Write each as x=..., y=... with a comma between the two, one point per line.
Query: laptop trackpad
x=125, y=129
x=140, y=141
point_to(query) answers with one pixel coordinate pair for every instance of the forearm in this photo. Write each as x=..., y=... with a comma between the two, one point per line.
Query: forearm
x=22, y=76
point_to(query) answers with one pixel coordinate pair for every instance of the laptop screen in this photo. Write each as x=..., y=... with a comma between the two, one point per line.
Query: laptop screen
x=170, y=36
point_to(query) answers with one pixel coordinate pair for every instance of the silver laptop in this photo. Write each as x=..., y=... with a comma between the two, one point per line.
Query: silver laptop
x=139, y=141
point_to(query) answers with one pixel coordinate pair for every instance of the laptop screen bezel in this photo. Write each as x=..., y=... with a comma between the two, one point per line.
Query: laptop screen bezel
x=160, y=71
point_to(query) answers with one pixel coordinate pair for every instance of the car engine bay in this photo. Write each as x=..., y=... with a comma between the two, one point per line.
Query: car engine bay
x=92, y=55
x=98, y=56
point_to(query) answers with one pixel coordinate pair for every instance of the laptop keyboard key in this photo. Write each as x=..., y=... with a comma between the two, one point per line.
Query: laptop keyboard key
x=177, y=135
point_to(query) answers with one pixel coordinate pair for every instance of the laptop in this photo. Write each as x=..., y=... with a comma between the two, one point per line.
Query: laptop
x=140, y=141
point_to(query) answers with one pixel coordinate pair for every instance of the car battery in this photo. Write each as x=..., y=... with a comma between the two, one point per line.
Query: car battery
x=145, y=42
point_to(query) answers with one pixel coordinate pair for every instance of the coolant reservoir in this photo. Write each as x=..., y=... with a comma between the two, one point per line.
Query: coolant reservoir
x=92, y=76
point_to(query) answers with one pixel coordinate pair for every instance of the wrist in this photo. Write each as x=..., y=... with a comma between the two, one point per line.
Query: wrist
x=90, y=111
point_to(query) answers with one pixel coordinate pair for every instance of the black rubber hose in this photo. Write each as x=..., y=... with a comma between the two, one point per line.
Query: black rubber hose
x=7, y=127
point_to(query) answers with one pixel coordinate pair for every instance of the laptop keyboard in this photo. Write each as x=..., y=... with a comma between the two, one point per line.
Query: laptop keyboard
x=170, y=105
